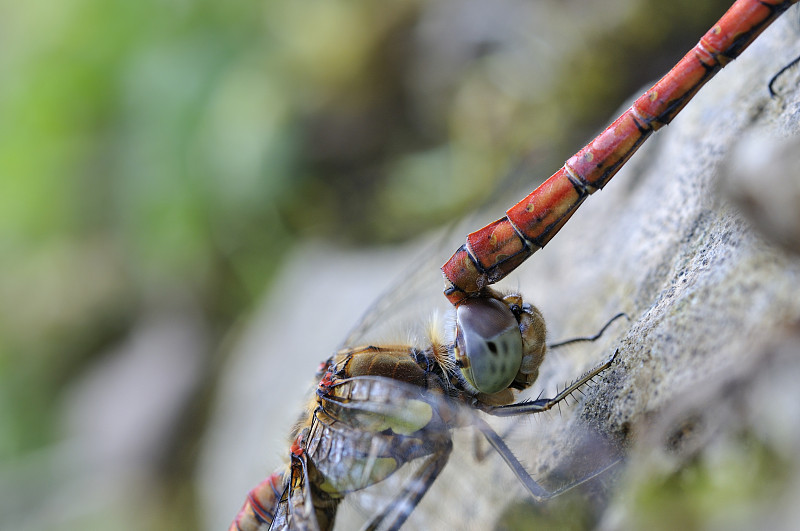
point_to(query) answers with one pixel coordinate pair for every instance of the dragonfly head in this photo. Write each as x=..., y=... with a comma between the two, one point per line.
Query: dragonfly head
x=499, y=342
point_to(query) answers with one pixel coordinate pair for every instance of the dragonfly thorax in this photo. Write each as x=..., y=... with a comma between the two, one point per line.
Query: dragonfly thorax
x=500, y=343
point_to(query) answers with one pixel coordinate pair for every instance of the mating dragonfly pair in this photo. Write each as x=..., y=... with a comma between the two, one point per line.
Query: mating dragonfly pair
x=377, y=408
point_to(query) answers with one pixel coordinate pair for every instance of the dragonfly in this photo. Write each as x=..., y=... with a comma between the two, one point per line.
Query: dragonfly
x=378, y=407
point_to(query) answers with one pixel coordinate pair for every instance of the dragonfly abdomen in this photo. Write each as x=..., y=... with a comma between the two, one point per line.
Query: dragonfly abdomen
x=258, y=510
x=494, y=251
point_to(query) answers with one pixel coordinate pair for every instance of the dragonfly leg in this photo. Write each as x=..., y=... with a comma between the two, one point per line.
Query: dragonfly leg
x=393, y=516
x=538, y=492
x=544, y=404
x=789, y=66
x=590, y=338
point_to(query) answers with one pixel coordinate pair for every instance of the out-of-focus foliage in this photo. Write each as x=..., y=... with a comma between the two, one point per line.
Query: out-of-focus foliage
x=113, y=184
x=166, y=154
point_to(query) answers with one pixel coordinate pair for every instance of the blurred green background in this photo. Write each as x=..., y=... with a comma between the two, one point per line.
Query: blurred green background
x=159, y=160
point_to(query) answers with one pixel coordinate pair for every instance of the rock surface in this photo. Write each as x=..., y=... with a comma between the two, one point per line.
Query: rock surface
x=701, y=399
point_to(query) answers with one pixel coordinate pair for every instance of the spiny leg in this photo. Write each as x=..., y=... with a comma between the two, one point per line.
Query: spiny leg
x=398, y=511
x=544, y=404
x=479, y=453
x=538, y=492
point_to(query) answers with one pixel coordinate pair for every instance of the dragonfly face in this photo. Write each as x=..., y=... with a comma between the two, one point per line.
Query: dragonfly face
x=488, y=347
x=500, y=344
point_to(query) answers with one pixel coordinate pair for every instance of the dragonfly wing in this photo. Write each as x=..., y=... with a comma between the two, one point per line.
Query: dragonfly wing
x=411, y=299
x=403, y=504
x=300, y=508
x=368, y=427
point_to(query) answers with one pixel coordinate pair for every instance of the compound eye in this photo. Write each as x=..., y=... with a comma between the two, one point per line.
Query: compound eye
x=488, y=344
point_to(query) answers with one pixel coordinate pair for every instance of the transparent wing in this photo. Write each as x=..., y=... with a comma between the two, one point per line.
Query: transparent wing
x=375, y=445
x=403, y=311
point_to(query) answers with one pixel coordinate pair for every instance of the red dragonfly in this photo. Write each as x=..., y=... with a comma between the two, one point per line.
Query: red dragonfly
x=379, y=407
